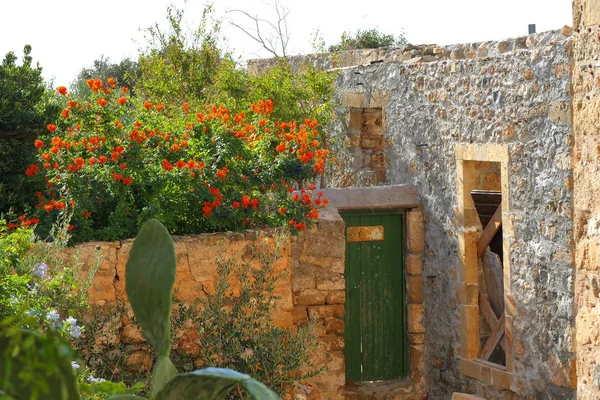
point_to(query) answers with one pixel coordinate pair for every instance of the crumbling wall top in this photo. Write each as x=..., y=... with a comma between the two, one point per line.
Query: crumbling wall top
x=420, y=53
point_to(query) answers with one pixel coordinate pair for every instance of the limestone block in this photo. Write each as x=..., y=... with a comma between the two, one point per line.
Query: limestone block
x=310, y=297
x=415, y=318
x=336, y=297
x=416, y=353
x=414, y=289
x=302, y=279
x=416, y=232
x=334, y=326
x=356, y=100
x=330, y=343
x=332, y=283
x=328, y=382
x=335, y=361
x=464, y=396
x=102, y=290
x=326, y=311
x=282, y=318
x=591, y=12
x=414, y=264
x=355, y=119
x=416, y=338
x=300, y=314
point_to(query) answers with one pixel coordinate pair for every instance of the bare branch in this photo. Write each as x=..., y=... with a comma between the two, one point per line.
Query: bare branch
x=271, y=42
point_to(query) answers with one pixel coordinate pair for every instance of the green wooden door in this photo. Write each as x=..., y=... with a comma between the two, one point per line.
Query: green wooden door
x=376, y=344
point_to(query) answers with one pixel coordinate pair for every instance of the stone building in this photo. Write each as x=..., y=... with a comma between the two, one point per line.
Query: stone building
x=486, y=156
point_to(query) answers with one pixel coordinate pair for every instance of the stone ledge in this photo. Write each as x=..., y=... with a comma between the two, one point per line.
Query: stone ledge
x=487, y=373
x=372, y=198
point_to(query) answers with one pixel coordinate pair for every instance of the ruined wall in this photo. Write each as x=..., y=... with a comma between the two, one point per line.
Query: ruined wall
x=586, y=167
x=514, y=93
x=312, y=286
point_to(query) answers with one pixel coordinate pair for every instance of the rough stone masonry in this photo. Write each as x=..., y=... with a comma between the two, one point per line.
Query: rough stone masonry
x=514, y=93
x=441, y=110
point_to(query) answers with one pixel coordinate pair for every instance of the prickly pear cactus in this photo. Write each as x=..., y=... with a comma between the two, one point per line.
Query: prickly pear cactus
x=149, y=280
x=150, y=276
x=213, y=384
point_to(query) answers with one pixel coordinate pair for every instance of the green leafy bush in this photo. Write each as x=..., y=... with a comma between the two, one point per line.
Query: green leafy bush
x=117, y=161
x=36, y=275
x=367, y=39
x=41, y=366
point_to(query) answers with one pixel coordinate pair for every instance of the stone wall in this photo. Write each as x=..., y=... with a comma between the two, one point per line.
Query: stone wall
x=515, y=94
x=586, y=164
x=312, y=287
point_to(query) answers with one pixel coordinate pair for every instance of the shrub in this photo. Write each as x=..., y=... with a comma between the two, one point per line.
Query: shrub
x=236, y=330
x=367, y=39
x=117, y=161
x=35, y=365
x=37, y=277
x=25, y=106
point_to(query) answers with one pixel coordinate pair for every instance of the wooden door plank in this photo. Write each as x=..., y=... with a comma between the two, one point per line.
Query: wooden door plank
x=379, y=350
x=352, y=306
x=492, y=342
x=490, y=230
x=366, y=312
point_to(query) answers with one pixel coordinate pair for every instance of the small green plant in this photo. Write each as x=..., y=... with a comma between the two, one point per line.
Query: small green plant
x=367, y=39
x=237, y=330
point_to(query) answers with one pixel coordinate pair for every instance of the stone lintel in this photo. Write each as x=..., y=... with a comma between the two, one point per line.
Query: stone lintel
x=372, y=198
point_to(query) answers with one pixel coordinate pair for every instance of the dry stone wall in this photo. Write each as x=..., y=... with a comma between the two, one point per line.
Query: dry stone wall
x=515, y=93
x=311, y=286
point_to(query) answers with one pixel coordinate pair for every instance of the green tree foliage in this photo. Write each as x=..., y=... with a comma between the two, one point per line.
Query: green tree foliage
x=190, y=66
x=367, y=39
x=25, y=106
x=179, y=65
x=126, y=72
x=21, y=90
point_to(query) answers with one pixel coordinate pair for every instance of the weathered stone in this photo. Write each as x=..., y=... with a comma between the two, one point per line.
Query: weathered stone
x=563, y=374
x=326, y=311
x=333, y=283
x=334, y=326
x=331, y=342
x=416, y=361
x=300, y=314
x=415, y=289
x=415, y=231
x=560, y=112
x=414, y=264
x=310, y=297
x=336, y=297
x=415, y=318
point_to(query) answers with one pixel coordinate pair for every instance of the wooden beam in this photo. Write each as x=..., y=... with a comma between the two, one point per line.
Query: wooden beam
x=490, y=316
x=493, y=340
x=489, y=232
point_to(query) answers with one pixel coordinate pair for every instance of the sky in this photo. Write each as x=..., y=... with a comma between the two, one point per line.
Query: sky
x=68, y=35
